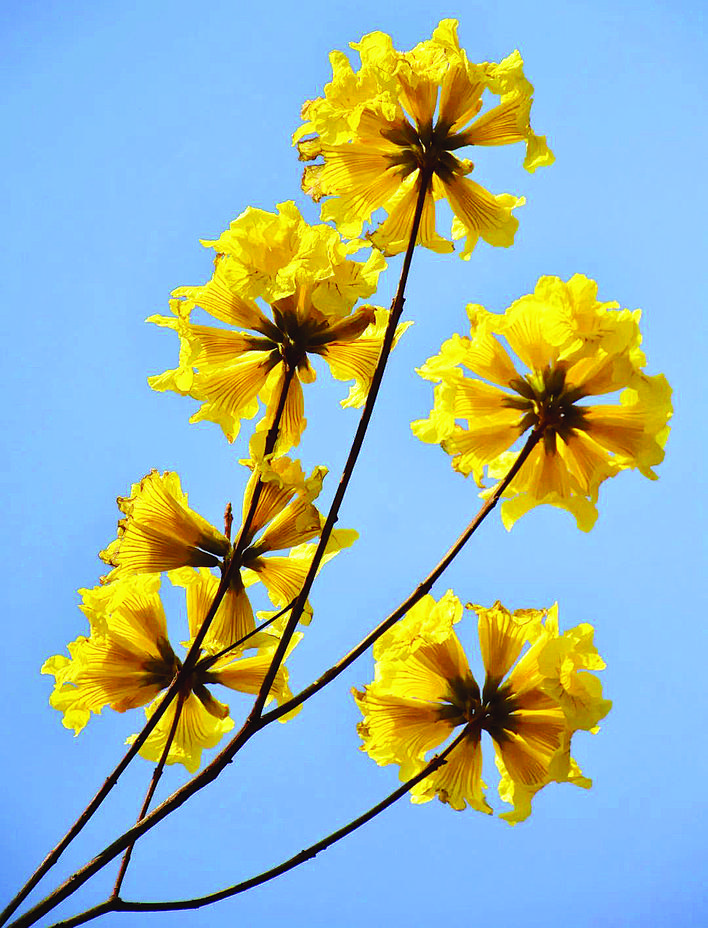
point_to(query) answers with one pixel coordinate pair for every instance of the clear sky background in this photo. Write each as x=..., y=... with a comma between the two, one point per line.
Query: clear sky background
x=134, y=129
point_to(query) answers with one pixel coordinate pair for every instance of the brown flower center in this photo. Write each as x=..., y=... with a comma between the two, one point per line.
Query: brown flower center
x=423, y=148
x=549, y=402
x=490, y=710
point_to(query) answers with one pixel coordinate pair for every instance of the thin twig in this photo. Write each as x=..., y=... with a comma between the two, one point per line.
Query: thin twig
x=122, y=905
x=157, y=773
x=213, y=658
x=424, y=587
x=103, y=908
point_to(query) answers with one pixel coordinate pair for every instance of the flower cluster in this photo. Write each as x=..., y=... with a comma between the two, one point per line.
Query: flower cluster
x=127, y=661
x=530, y=705
x=306, y=277
x=393, y=125
x=572, y=348
x=160, y=532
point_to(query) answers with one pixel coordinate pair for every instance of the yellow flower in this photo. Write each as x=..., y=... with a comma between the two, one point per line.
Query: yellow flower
x=305, y=275
x=161, y=533
x=572, y=348
x=529, y=704
x=127, y=661
x=379, y=130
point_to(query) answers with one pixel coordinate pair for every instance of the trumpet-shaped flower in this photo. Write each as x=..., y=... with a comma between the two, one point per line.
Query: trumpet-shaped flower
x=304, y=273
x=530, y=704
x=572, y=347
x=394, y=124
x=160, y=532
x=127, y=661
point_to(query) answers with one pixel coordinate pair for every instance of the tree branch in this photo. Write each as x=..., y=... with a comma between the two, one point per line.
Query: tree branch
x=251, y=726
x=121, y=905
x=424, y=587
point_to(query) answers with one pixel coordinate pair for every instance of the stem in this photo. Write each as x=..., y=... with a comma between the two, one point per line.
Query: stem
x=333, y=514
x=424, y=587
x=120, y=905
x=157, y=773
x=172, y=690
x=206, y=662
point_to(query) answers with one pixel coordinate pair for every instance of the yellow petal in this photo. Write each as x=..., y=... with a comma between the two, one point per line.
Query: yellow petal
x=525, y=327
x=234, y=617
x=480, y=213
x=475, y=398
x=283, y=577
x=292, y=421
x=484, y=355
x=160, y=531
x=617, y=428
x=588, y=463
x=220, y=301
x=502, y=125
x=230, y=392
x=483, y=441
x=393, y=235
x=222, y=347
x=398, y=730
x=502, y=635
x=357, y=360
x=599, y=374
x=460, y=97
x=527, y=761
x=298, y=522
x=427, y=671
x=246, y=674
x=459, y=781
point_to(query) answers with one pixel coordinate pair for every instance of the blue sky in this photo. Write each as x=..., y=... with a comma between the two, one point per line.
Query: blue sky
x=135, y=129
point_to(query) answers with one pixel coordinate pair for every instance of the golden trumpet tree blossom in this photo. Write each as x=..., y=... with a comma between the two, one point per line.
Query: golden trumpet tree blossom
x=127, y=661
x=160, y=532
x=571, y=348
x=305, y=275
x=530, y=703
x=394, y=124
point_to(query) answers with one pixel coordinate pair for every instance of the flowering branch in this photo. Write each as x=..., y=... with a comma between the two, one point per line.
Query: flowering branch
x=249, y=726
x=252, y=725
x=399, y=159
